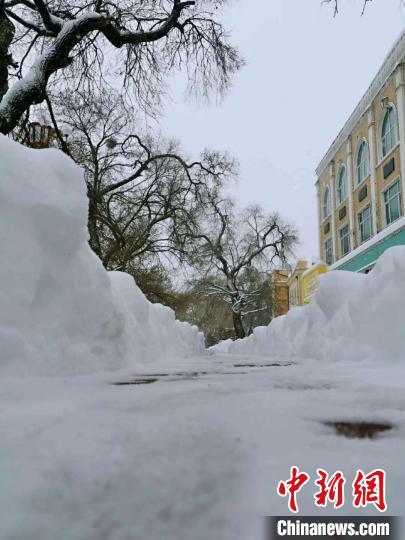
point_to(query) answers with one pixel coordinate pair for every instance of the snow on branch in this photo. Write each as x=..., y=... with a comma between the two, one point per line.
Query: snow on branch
x=235, y=250
x=154, y=37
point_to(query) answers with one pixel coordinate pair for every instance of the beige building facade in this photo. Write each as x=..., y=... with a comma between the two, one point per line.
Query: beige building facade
x=280, y=292
x=303, y=282
x=361, y=179
x=295, y=286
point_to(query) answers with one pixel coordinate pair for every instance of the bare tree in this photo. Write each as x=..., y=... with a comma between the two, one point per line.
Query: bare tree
x=143, y=194
x=208, y=310
x=156, y=284
x=229, y=244
x=135, y=41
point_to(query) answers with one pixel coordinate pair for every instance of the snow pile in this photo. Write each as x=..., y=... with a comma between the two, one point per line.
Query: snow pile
x=352, y=317
x=60, y=311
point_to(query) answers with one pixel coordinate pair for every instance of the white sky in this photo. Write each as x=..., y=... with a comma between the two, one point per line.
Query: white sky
x=305, y=73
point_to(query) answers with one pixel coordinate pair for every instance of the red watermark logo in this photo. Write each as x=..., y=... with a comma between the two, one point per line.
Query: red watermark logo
x=367, y=489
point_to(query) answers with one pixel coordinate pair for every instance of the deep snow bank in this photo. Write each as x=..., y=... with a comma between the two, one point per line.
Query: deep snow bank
x=353, y=316
x=60, y=311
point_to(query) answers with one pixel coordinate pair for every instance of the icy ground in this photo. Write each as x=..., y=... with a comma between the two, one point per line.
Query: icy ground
x=195, y=455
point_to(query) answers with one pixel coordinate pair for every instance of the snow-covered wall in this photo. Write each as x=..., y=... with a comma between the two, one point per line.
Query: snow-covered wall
x=352, y=317
x=60, y=311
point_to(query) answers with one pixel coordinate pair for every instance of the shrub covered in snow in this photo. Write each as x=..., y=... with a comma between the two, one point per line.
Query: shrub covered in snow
x=352, y=317
x=60, y=311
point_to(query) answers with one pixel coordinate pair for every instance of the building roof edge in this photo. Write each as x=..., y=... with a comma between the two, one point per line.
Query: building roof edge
x=392, y=59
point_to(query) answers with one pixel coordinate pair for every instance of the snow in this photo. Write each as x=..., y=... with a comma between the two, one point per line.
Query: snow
x=351, y=317
x=188, y=457
x=197, y=452
x=60, y=311
x=37, y=76
x=314, y=266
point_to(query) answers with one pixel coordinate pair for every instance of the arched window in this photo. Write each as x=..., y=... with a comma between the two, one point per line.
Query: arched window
x=363, y=162
x=389, y=132
x=342, y=185
x=326, y=203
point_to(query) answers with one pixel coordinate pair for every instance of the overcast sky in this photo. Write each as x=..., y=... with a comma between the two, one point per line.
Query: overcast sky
x=305, y=73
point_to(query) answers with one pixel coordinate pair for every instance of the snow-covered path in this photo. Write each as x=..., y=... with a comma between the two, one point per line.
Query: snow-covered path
x=196, y=454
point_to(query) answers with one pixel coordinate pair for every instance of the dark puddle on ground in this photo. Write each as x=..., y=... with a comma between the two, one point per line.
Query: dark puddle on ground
x=303, y=387
x=136, y=381
x=149, y=379
x=275, y=364
x=183, y=376
x=191, y=375
x=359, y=430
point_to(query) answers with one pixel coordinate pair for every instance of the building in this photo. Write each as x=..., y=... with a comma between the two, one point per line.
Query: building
x=310, y=280
x=295, y=285
x=295, y=288
x=361, y=179
x=303, y=282
x=39, y=136
x=279, y=285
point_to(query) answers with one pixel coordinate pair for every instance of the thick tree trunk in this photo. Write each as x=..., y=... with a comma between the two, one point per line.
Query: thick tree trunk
x=66, y=35
x=238, y=326
x=94, y=239
x=7, y=31
x=31, y=89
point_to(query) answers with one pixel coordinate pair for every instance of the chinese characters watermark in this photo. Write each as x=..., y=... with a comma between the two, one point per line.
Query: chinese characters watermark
x=367, y=489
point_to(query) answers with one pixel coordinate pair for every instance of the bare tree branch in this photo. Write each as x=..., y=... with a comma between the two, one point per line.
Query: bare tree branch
x=143, y=193
x=66, y=42
x=230, y=245
x=336, y=5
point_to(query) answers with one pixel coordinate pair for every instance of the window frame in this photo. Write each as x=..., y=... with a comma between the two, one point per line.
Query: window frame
x=341, y=238
x=359, y=214
x=325, y=214
x=342, y=172
x=386, y=190
x=394, y=131
x=363, y=144
x=325, y=244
